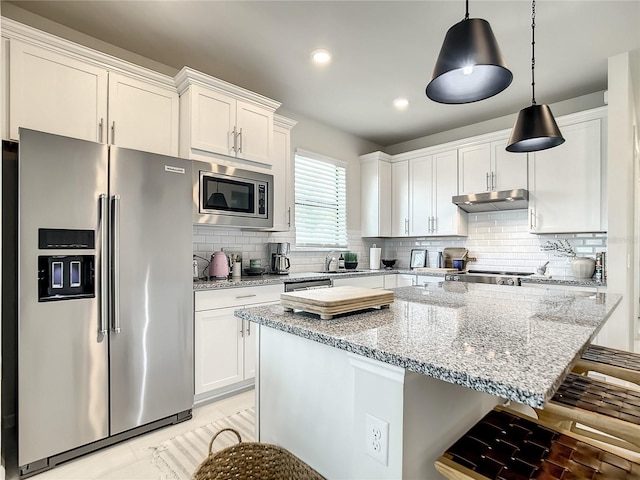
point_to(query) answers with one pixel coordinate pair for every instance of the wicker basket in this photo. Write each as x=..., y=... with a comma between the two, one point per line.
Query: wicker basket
x=252, y=461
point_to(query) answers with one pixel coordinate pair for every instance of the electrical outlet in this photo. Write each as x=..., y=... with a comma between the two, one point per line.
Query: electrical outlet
x=377, y=438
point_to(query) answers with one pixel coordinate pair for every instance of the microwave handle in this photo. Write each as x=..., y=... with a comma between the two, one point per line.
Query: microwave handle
x=240, y=137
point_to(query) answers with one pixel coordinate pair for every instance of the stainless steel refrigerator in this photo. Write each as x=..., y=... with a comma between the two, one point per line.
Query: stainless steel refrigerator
x=104, y=296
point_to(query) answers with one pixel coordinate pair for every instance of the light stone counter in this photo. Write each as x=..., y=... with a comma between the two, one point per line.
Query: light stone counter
x=515, y=343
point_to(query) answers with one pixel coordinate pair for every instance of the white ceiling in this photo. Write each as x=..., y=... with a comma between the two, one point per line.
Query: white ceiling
x=381, y=50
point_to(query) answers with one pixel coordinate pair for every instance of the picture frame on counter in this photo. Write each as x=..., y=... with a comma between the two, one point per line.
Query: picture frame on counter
x=418, y=258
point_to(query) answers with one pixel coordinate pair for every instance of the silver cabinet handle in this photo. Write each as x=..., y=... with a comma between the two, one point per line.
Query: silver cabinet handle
x=235, y=140
x=289, y=217
x=493, y=181
x=531, y=219
x=247, y=296
x=488, y=181
x=115, y=263
x=104, y=267
x=406, y=226
x=240, y=136
x=429, y=228
x=113, y=133
x=242, y=328
x=248, y=328
x=100, y=126
x=435, y=224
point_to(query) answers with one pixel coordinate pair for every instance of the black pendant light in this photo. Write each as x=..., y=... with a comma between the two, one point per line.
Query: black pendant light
x=535, y=128
x=470, y=66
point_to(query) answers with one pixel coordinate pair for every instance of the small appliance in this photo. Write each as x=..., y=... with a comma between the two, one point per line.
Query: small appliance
x=280, y=263
x=219, y=266
x=231, y=196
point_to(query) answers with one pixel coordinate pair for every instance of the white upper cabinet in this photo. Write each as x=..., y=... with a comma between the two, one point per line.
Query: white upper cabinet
x=142, y=116
x=488, y=167
x=566, y=182
x=59, y=87
x=56, y=93
x=219, y=118
x=433, y=180
x=400, y=199
x=375, y=195
x=282, y=174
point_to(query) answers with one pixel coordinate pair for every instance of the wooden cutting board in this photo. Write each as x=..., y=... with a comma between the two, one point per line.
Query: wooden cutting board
x=328, y=302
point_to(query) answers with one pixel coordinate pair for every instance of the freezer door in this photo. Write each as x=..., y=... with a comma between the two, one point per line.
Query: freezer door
x=62, y=356
x=151, y=357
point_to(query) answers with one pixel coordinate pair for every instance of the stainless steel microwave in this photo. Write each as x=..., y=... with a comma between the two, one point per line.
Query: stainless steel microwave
x=230, y=196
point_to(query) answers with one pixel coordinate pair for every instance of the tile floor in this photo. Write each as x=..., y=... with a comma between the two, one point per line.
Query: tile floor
x=131, y=460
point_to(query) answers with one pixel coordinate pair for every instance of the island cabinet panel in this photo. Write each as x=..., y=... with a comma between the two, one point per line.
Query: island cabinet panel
x=566, y=182
x=488, y=167
x=224, y=345
x=67, y=94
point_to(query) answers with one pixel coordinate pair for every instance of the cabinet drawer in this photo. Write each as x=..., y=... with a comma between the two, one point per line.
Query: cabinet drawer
x=236, y=297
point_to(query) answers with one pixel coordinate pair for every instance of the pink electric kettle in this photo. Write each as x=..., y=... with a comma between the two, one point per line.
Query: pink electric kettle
x=219, y=265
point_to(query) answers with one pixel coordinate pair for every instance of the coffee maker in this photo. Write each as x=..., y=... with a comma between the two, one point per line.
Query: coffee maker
x=279, y=261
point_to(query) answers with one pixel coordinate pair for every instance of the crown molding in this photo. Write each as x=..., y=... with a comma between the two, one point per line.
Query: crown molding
x=17, y=31
x=188, y=76
x=283, y=122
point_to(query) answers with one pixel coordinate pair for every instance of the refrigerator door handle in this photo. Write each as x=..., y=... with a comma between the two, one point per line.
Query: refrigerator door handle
x=104, y=268
x=115, y=263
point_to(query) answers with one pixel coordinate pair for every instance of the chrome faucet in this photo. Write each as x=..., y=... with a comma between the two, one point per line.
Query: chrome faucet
x=328, y=259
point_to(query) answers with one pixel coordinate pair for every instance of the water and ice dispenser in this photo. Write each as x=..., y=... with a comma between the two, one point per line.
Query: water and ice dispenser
x=66, y=277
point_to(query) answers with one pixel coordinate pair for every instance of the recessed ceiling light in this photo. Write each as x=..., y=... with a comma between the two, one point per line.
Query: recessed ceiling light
x=321, y=56
x=401, y=103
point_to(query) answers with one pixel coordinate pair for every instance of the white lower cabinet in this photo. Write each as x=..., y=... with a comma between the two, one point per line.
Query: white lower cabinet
x=225, y=345
x=407, y=280
x=372, y=281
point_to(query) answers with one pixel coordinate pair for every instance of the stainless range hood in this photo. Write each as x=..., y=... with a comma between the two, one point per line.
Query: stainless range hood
x=493, y=201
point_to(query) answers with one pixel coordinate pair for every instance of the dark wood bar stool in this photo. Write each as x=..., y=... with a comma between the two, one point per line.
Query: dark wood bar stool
x=603, y=406
x=506, y=445
x=608, y=361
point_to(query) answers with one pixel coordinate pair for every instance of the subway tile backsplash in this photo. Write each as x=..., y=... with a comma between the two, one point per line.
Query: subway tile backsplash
x=499, y=241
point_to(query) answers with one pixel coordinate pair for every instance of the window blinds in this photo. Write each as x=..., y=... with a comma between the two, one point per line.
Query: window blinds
x=321, y=201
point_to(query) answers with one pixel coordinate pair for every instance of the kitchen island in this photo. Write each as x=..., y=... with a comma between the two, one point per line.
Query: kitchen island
x=429, y=366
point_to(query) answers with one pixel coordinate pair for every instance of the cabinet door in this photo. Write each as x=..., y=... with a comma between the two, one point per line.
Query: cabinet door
x=375, y=195
x=509, y=169
x=250, y=343
x=142, y=116
x=219, y=349
x=565, y=182
x=400, y=199
x=420, y=195
x=55, y=93
x=281, y=179
x=254, y=128
x=475, y=169
x=213, y=121
x=449, y=219
x=372, y=281
x=406, y=280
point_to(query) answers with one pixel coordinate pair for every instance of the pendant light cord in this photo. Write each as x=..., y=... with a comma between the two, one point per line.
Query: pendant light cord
x=533, y=56
x=466, y=16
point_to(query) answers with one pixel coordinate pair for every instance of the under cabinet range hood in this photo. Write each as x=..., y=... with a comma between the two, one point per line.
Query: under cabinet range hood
x=492, y=201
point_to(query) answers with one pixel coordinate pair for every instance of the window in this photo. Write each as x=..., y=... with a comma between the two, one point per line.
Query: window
x=320, y=201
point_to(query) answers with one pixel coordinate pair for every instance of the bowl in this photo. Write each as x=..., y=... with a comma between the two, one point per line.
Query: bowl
x=388, y=263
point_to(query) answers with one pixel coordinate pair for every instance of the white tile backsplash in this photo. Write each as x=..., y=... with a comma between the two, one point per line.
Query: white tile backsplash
x=499, y=241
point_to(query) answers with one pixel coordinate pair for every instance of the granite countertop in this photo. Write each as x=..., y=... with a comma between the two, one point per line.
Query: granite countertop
x=297, y=277
x=516, y=343
x=268, y=279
